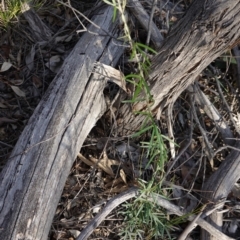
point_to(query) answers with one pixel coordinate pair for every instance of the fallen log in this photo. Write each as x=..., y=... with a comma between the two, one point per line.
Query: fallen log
x=33, y=179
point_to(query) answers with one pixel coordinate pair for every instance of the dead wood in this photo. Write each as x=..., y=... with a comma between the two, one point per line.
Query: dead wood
x=38, y=29
x=33, y=178
x=202, y=100
x=207, y=30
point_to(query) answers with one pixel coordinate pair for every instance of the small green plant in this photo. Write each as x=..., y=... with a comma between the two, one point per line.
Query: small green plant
x=9, y=9
x=143, y=219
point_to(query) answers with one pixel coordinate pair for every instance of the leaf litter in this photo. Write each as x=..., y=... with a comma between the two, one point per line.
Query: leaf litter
x=100, y=173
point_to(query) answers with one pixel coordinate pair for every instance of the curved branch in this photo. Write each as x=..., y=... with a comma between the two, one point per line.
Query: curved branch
x=133, y=192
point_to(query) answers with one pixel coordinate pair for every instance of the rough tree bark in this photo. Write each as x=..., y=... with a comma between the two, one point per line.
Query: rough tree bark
x=208, y=29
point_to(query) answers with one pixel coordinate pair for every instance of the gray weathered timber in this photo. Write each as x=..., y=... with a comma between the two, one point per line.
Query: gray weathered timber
x=39, y=30
x=219, y=186
x=32, y=181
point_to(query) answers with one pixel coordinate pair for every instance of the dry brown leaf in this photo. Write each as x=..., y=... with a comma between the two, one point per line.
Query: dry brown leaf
x=17, y=82
x=37, y=81
x=19, y=92
x=30, y=59
x=5, y=66
x=74, y=232
x=111, y=74
x=54, y=63
x=5, y=50
x=86, y=161
x=123, y=176
x=113, y=182
x=117, y=189
x=185, y=173
x=2, y=105
x=105, y=163
x=19, y=57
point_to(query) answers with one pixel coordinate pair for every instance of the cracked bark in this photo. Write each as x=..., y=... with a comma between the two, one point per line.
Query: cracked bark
x=31, y=183
x=206, y=31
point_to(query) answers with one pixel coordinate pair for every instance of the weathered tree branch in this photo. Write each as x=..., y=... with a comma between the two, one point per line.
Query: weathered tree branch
x=207, y=30
x=33, y=179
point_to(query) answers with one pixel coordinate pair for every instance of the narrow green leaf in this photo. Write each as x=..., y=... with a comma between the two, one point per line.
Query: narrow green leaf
x=146, y=47
x=139, y=133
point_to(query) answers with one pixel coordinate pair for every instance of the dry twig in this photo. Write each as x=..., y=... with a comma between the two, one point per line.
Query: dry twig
x=133, y=192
